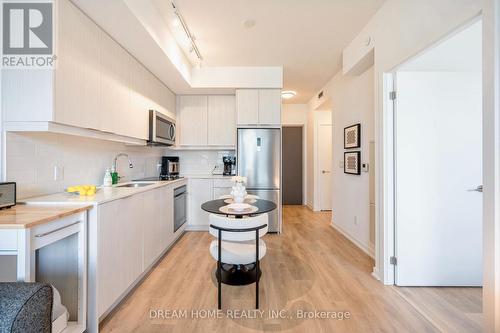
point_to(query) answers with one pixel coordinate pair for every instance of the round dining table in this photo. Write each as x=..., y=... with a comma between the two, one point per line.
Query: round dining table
x=263, y=206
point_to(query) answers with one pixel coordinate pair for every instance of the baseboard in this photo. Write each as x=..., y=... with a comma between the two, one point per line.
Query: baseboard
x=197, y=228
x=354, y=241
x=309, y=206
x=375, y=273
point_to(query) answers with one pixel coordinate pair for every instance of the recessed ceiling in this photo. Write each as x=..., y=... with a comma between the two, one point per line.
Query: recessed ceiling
x=306, y=37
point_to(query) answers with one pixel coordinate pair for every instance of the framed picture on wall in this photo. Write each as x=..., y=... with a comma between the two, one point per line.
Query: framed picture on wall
x=352, y=136
x=352, y=162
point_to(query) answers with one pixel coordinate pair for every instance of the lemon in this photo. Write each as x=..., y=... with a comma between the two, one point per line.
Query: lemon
x=71, y=189
x=90, y=193
x=86, y=187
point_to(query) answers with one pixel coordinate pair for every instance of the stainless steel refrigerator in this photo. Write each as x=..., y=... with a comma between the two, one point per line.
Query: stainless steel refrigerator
x=259, y=159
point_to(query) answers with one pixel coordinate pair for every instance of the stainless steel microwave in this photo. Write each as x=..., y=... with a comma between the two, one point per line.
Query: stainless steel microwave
x=161, y=129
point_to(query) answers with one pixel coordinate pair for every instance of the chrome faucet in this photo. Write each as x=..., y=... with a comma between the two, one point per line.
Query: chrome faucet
x=130, y=165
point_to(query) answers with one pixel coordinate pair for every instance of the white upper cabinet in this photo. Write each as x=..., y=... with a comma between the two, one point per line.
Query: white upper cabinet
x=193, y=118
x=221, y=121
x=206, y=121
x=96, y=84
x=115, y=86
x=270, y=106
x=77, y=74
x=258, y=106
x=247, y=106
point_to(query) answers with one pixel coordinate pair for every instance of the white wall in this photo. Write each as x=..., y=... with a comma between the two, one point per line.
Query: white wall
x=491, y=166
x=352, y=103
x=294, y=114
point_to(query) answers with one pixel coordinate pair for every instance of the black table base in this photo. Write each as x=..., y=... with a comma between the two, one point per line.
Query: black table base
x=238, y=275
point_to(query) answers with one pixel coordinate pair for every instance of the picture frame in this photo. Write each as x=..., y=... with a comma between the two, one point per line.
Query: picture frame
x=352, y=136
x=352, y=162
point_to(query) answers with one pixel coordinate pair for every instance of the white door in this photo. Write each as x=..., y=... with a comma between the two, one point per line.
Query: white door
x=325, y=166
x=438, y=166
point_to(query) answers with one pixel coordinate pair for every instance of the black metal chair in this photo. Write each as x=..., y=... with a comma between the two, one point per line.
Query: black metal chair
x=238, y=251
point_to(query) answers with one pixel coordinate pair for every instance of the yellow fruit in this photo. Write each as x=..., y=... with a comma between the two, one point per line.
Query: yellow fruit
x=86, y=187
x=90, y=192
x=93, y=188
x=71, y=189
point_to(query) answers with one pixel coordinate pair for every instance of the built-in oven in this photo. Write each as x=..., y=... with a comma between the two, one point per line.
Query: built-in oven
x=161, y=129
x=180, y=206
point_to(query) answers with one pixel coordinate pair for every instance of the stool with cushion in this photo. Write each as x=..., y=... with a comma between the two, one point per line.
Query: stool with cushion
x=238, y=250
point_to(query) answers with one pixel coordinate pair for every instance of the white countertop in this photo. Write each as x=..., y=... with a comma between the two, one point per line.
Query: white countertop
x=205, y=176
x=104, y=194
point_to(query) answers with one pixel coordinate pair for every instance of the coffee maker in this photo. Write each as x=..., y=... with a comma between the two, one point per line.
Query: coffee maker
x=229, y=165
x=169, y=168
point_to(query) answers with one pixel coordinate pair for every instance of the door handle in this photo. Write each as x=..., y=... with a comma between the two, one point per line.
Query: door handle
x=477, y=189
x=325, y=171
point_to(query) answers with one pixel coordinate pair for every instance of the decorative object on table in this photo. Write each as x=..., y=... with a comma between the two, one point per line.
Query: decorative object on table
x=239, y=191
x=7, y=195
x=352, y=136
x=238, y=208
x=83, y=190
x=352, y=162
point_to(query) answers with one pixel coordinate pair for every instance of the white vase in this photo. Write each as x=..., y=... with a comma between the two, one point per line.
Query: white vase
x=238, y=193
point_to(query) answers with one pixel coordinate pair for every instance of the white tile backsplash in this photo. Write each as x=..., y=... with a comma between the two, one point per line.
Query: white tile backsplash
x=32, y=157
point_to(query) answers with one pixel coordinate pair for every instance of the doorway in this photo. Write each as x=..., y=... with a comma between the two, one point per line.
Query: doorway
x=325, y=166
x=438, y=181
x=292, y=165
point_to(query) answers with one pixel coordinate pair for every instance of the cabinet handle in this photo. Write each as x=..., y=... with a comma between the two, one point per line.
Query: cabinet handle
x=58, y=229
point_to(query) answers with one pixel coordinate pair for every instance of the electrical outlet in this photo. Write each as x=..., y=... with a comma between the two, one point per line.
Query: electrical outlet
x=58, y=173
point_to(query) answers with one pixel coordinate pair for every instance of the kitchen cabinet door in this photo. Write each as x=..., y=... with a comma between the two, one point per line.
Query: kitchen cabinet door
x=130, y=238
x=167, y=217
x=109, y=262
x=77, y=75
x=153, y=225
x=115, y=86
x=199, y=192
x=221, y=120
x=139, y=103
x=219, y=191
x=247, y=106
x=193, y=118
x=269, y=106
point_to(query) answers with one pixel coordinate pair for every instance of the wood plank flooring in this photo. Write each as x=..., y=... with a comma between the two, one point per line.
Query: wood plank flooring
x=309, y=267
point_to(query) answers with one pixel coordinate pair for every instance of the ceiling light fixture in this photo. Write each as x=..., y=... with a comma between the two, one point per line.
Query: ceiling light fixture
x=287, y=94
x=189, y=35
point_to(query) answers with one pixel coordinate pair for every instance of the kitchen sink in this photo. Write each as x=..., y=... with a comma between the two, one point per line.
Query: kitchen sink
x=137, y=184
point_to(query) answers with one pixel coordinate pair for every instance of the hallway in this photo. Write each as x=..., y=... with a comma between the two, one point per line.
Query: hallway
x=309, y=267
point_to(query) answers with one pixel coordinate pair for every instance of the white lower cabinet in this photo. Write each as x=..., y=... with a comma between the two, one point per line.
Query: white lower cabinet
x=202, y=190
x=199, y=192
x=133, y=233
x=157, y=223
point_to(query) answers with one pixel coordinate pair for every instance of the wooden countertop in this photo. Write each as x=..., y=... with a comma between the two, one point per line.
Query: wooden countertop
x=24, y=216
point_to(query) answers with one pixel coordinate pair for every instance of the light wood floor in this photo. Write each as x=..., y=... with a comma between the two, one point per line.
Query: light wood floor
x=310, y=266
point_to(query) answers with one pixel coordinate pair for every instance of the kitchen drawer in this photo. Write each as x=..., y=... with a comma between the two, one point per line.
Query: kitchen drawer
x=218, y=182
x=8, y=240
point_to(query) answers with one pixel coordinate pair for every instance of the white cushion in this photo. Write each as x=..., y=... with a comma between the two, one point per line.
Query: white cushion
x=237, y=253
x=233, y=223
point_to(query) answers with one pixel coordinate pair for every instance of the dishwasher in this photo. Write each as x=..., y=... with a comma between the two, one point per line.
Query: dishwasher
x=180, y=206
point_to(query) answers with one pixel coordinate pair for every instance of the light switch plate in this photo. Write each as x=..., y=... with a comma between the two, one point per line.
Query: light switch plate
x=365, y=167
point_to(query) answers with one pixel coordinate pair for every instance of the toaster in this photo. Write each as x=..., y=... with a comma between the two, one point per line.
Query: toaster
x=7, y=195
